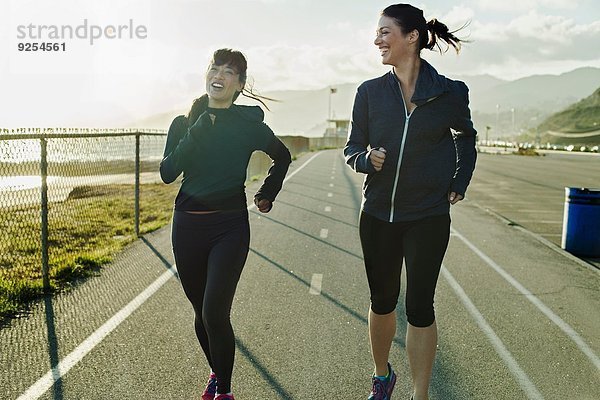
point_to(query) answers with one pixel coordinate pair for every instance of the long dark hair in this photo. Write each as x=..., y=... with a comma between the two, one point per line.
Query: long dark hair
x=410, y=18
x=237, y=61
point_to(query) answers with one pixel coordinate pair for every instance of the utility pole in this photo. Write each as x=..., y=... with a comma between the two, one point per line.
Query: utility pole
x=332, y=91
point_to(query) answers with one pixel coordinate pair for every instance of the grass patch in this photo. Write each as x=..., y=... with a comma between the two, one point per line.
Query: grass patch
x=85, y=232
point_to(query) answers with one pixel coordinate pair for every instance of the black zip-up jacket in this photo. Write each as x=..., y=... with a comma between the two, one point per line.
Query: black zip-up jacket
x=429, y=153
x=214, y=158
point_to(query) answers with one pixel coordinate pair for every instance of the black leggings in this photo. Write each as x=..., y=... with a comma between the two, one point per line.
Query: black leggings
x=210, y=251
x=422, y=245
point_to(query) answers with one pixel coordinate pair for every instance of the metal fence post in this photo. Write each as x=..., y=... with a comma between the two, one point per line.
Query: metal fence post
x=137, y=184
x=44, y=211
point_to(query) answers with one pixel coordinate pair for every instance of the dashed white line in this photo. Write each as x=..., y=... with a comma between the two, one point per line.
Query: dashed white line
x=329, y=194
x=327, y=209
x=315, y=284
x=73, y=358
x=331, y=185
x=524, y=381
x=324, y=233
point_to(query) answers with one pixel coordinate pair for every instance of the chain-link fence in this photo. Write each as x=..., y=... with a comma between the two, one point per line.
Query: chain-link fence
x=71, y=198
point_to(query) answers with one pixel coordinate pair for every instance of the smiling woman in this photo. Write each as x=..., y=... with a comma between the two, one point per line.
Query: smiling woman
x=210, y=234
x=413, y=137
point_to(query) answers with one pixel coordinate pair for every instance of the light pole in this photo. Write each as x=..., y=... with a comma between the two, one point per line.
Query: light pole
x=512, y=112
x=497, y=117
x=332, y=90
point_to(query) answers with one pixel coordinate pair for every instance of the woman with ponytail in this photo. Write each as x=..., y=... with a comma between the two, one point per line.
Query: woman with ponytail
x=413, y=138
x=210, y=234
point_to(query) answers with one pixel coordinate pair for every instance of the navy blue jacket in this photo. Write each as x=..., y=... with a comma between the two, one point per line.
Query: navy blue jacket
x=429, y=153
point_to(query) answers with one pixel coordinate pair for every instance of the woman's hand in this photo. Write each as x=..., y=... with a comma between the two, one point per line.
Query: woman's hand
x=263, y=205
x=377, y=157
x=454, y=197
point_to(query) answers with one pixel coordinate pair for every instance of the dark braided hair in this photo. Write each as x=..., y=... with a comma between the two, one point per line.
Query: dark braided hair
x=410, y=18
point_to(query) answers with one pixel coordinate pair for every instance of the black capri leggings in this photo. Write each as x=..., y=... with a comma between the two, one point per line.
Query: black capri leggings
x=422, y=245
x=210, y=251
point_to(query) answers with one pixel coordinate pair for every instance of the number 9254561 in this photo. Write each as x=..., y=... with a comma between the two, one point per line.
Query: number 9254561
x=44, y=46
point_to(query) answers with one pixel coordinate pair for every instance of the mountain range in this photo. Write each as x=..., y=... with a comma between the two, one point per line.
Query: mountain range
x=506, y=107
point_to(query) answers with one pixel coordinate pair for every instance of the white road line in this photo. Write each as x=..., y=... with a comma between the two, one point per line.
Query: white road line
x=566, y=328
x=45, y=382
x=327, y=209
x=331, y=185
x=324, y=233
x=333, y=177
x=526, y=384
x=73, y=358
x=329, y=194
x=315, y=284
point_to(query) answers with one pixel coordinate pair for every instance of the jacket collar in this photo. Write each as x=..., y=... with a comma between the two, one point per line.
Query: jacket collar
x=429, y=84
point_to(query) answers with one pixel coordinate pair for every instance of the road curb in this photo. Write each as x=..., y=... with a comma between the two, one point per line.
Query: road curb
x=539, y=238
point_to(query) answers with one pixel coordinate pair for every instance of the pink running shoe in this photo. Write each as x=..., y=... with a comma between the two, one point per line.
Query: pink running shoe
x=382, y=390
x=211, y=387
x=224, y=397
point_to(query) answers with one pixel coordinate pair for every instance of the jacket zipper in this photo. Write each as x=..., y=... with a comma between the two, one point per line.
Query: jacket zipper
x=405, y=132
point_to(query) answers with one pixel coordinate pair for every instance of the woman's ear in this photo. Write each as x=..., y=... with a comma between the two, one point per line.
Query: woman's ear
x=413, y=36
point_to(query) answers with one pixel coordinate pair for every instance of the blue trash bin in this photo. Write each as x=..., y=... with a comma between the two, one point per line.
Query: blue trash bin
x=581, y=222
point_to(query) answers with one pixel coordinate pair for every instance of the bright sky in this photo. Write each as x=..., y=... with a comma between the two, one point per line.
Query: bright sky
x=290, y=44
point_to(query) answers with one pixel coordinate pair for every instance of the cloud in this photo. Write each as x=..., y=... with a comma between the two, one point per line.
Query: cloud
x=529, y=44
x=522, y=5
x=310, y=67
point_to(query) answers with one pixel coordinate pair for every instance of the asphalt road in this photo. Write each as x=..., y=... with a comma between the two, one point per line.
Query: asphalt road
x=529, y=190
x=517, y=318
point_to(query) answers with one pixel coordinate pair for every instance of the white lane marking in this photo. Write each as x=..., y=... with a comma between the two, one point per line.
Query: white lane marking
x=329, y=194
x=566, y=328
x=331, y=185
x=333, y=177
x=520, y=375
x=324, y=233
x=328, y=209
x=315, y=284
x=45, y=382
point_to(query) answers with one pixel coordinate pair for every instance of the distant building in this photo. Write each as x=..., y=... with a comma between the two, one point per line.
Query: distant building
x=337, y=128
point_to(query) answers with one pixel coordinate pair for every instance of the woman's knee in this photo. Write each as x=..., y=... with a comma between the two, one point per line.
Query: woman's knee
x=382, y=305
x=421, y=317
x=215, y=318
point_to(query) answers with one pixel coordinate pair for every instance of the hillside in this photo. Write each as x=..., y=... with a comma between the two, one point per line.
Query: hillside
x=583, y=116
x=577, y=124
x=304, y=112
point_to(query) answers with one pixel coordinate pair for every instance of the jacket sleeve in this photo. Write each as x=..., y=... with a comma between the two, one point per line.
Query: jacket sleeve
x=281, y=161
x=355, y=150
x=180, y=146
x=464, y=137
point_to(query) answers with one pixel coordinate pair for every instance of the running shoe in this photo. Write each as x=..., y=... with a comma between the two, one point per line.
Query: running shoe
x=211, y=387
x=382, y=389
x=224, y=397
